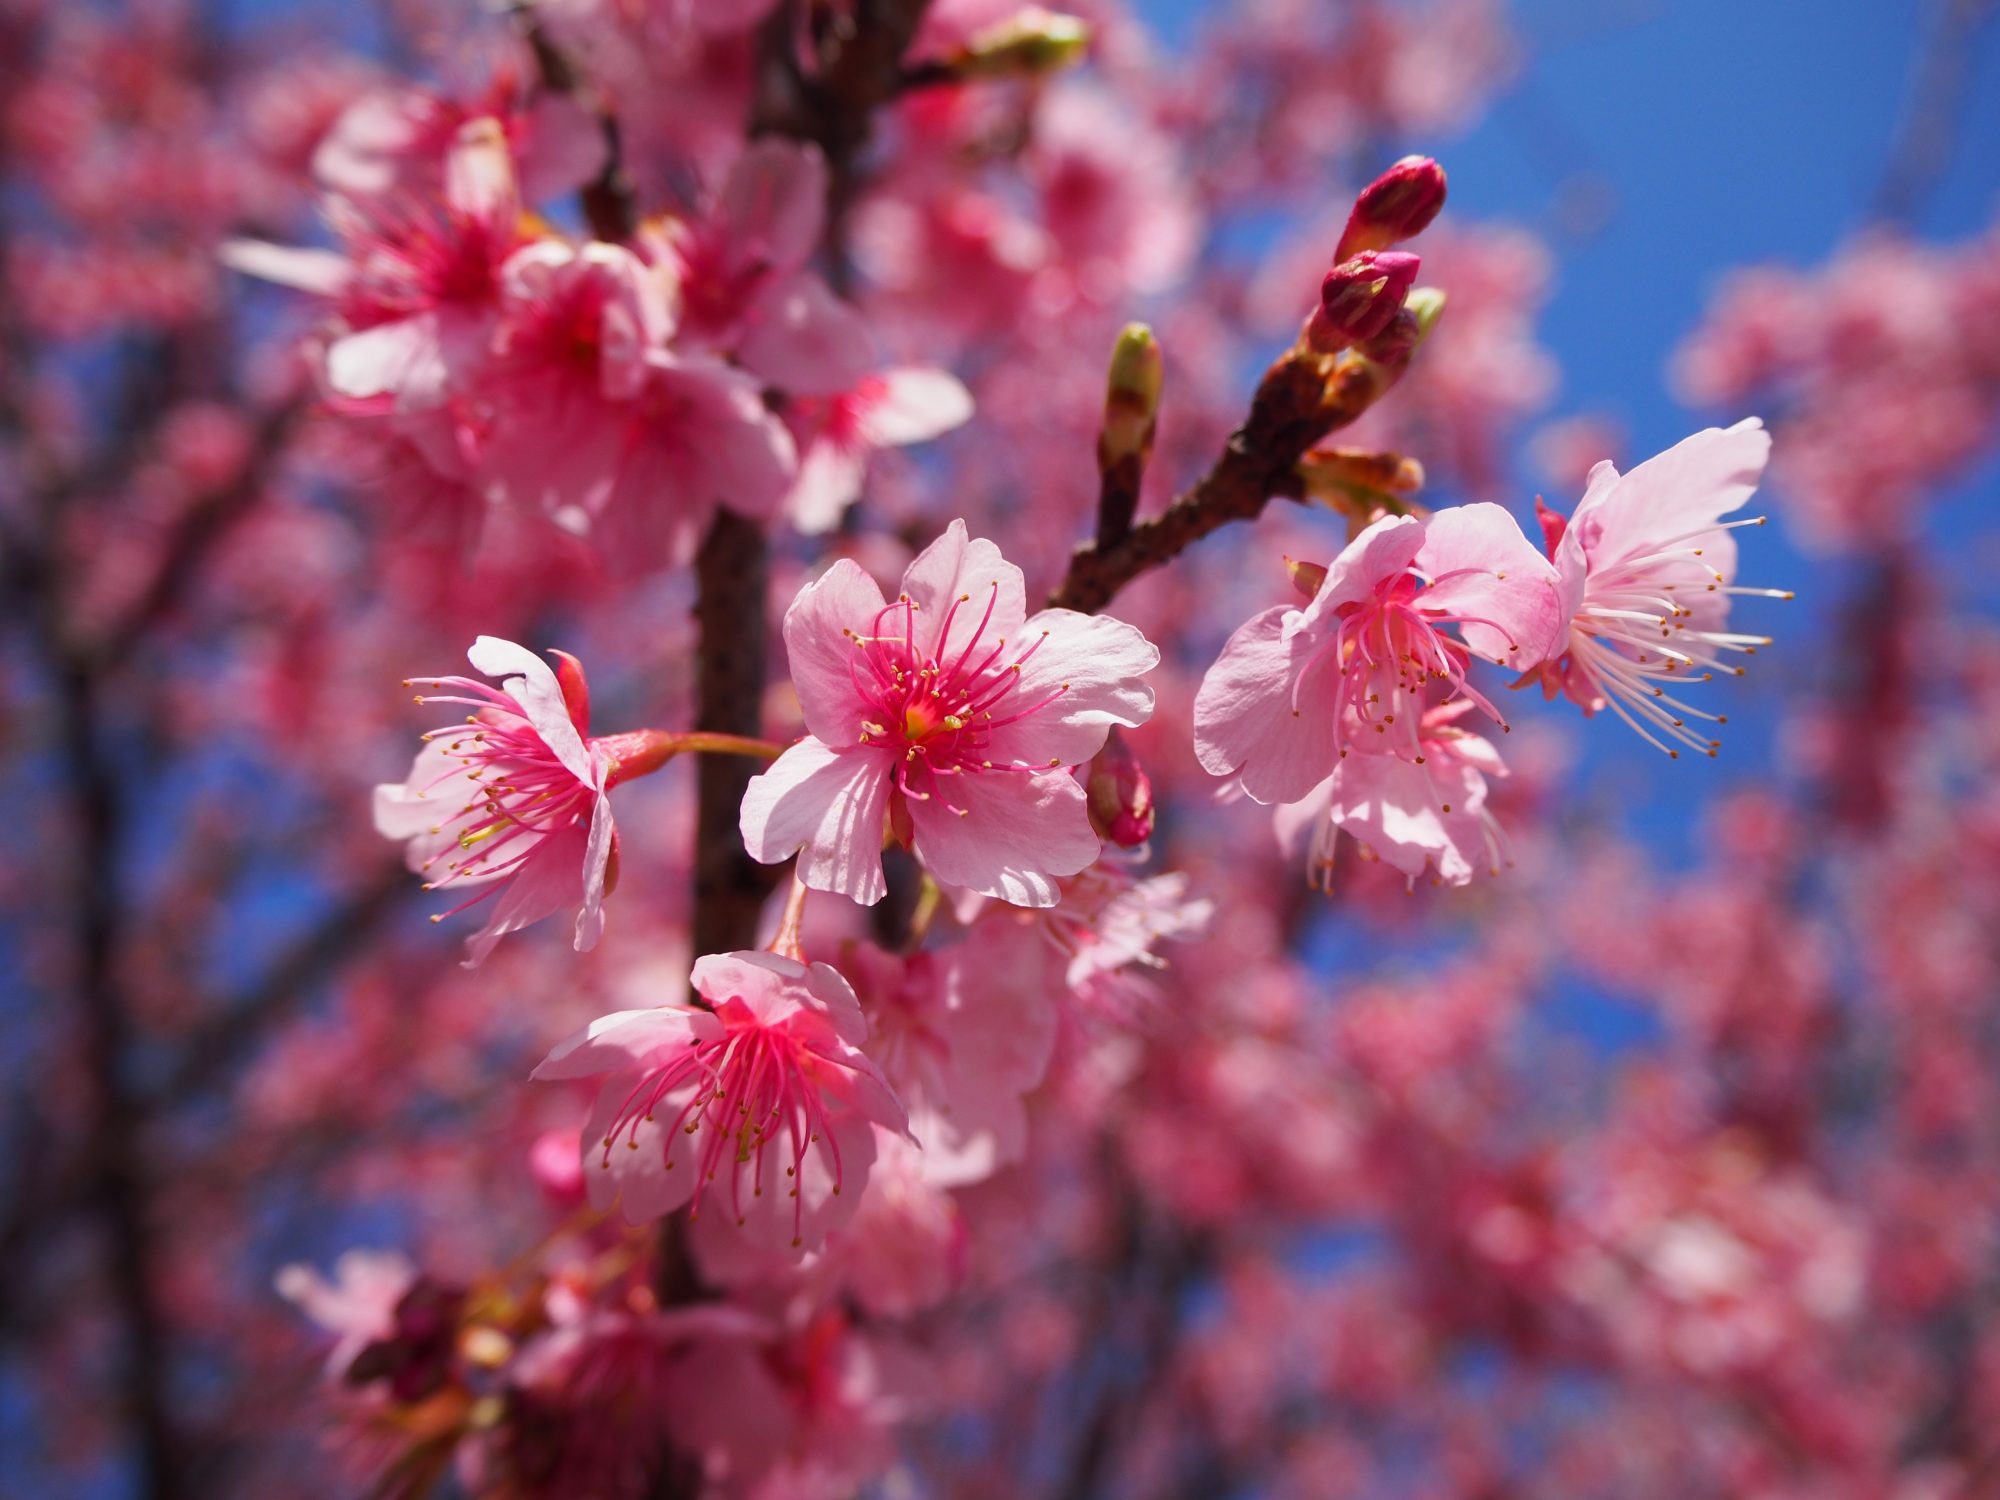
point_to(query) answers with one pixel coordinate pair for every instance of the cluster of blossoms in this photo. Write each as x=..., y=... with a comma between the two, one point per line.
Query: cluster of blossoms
x=943, y=1082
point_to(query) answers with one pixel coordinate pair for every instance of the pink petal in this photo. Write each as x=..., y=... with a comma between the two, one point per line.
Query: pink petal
x=1091, y=666
x=320, y=272
x=957, y=567
x=827, y=807
x=1243, y=717
x=625, y=1039
x=829, y=480
x=1019, y=830
x=532, y=683
x=772, y=205
x=914, y=406
x=546, y=882
x=801, y=338
x=1488, y=570
x=823, y=657
x=596, y=857
x=1385, y=549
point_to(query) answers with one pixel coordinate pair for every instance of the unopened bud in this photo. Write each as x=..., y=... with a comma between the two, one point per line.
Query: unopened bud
x=1361, y=484
x=1131, y=396
x=1554, y=524
x=1360, y=297
x=1307, y=577
x=1394, y=207
x=1121, y=795
x=1029, y=44
x=1411, y=325
x=575, y=690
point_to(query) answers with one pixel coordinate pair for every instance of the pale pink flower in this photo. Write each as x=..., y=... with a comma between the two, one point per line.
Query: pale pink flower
x=1647, y=568
x=769, y=1090
x=402, y=138
x=1295, y=691
x=949, y=717
x=510, y=804
x=962, y=1035
x=594, y=421
x=417, y=282
x=838, y=434
x=358, y=1303
x=1410, y=814
x=741, y=275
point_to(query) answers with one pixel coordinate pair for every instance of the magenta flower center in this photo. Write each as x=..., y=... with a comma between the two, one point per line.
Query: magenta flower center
x=941, y=708
x=735, y=1097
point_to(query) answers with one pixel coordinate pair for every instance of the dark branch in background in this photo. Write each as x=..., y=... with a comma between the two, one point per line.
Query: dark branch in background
x=1933, y=111
x=608, y=202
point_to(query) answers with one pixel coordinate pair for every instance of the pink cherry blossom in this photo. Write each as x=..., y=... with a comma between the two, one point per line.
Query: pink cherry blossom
x=1427, y=813
x=401, y=139
x=768, y=1090
x=417, y=287
x=511, y=804
x=594, y=421
x=838, y=435
x=962, y=1036
x=1647, y=567
x=1295, y=691
x=921, y=715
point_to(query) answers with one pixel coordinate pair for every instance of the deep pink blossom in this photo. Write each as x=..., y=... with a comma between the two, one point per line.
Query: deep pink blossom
x=1295, y=691
x=416, y=284
x=767, y=1091
x=838, y=434
x=951, y=714
x=509, y=805
x=1647, y=567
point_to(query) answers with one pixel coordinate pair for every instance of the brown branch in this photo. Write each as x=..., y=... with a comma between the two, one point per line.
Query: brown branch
x=610, y=205
x=1300, y=399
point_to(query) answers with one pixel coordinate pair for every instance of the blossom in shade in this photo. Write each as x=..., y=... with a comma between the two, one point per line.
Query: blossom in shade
x=762, y=1105
x=1647, y=567
x=509, y=806
x=1296, y=691
x=1412, y=815
x=416, y=283
x=838, y=434
x=595, y=421
x=950, y=718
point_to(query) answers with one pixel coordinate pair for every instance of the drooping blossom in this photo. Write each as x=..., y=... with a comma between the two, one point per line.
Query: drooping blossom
x=838, y=434
x=357, y=1303
x=761, y=1107
x=1410, y=814
x=592, y=419
x=510, y=805
x=949, y=719
x=416, y=285
x=1647, y=567
x=1296, y=691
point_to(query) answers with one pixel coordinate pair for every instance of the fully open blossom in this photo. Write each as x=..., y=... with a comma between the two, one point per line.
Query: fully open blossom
x=962, y=1036
x=1647, y=567
x=595, y=421
x=838, y=434
x=1410, y=814
x=510, y=805
x=950, y=717
x=761, y=1107
x=416, y=284
x=741, y=274
x=1295, y=691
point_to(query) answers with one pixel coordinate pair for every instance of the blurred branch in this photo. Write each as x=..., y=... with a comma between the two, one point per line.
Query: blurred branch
x=609, y=204
x=1931, y=115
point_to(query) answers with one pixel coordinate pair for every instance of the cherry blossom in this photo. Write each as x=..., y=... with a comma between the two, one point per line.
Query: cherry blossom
x=770, y=1077
x=925, y=724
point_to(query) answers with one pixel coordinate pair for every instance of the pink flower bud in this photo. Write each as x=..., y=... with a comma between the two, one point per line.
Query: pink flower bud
x=1394, y=207
x=1121, y=795
x=1360, y=298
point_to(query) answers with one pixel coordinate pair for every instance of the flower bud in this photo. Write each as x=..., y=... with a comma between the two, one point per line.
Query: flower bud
x=1307, y=577
x=1359, y=298
x=1029, y=44
x=1394, y=207
x=1361, y=484
x=1131, y=397
x=1121, y=795
x=575, y=690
